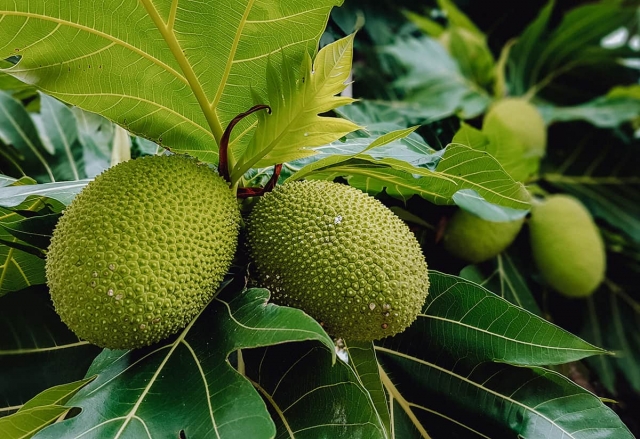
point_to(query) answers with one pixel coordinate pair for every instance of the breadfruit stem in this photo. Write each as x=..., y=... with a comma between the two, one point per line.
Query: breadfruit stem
x=248, y=192
x=223, y=166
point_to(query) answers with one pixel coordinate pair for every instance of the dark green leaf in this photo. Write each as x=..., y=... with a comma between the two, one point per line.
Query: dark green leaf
x=37, y=351
x=439, y=396
x=190, y=376
x=471, y=322
x=601, y=171
x=542, y=55
x=35, y=231
x=365, y=364
x=613, y=320
x=308, y=397
x=434, y=83
x=620, y=105
x=506, y=278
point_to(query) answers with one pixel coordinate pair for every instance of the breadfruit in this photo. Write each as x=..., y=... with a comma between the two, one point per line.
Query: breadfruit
x=341, y=256
x=140, y=251
x=567, y=246
x=518, y=136
x=476, y=240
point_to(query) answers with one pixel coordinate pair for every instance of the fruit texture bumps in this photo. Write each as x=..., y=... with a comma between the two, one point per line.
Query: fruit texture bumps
x=140, y=251
x=339, y=255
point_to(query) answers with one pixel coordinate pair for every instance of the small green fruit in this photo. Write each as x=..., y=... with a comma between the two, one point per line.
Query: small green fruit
x=140, y=251
x=341, y=256
x=567, y=246
x=518, y=135
x=475, y=240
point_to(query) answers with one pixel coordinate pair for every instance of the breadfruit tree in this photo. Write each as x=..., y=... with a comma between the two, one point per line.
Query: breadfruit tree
x=314, y=219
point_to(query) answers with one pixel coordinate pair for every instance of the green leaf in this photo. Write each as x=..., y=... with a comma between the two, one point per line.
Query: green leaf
x=434, y=83
x=37, y=350
x=457, y=18
x=485, y=327
x=61, y=130
x=18, y=268
x=453, y=397
x=17, y=129
x=601, y=172
x=64, y=192
x=35, y=231
x=25, y=424
x=612, y=319
x=620, y=105
x=307, y=396
x=142, y=65
x=542, y=55
x=506, y=277
x=337, y=155
x=459, y=167
x=365, y=364
x=57, y=395
x=294, y=127
x=471, y=201
x=191, y=375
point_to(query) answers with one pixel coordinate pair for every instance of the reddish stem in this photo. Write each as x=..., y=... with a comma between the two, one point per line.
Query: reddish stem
x=248, y=192
x=223, y=166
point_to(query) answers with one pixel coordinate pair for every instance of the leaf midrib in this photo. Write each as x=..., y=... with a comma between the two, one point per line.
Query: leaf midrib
x=187, y=69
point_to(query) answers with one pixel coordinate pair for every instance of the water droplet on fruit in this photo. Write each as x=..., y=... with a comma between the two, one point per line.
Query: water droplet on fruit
x=110, y=293
x=372, y=306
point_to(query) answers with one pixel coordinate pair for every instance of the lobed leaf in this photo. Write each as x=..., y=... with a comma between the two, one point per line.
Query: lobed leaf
x=190, y=375
x=294, y=127
x=143, y=64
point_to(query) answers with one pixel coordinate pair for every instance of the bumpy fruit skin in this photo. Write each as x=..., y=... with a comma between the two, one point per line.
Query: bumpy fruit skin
x=140, y=251
x=567, y=246
x=519, y=129
x=476, y=240
x=341, y=256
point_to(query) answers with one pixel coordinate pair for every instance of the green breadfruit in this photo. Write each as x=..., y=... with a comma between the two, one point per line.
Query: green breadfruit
x=341, y=256
x=567, y=246
x=140, y=251
x=476, y=240
x=518, y=134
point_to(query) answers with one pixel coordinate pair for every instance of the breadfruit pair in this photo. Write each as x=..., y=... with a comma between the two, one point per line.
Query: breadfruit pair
x=140, y=251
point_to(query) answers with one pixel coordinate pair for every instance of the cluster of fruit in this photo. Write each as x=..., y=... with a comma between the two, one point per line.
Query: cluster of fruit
x=142, y=249
x=565, y=242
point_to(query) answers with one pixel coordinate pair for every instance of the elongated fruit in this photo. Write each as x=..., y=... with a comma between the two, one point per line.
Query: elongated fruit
x=341, y=256
x=475, y=240
x=567, y=246
x=140, y=251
